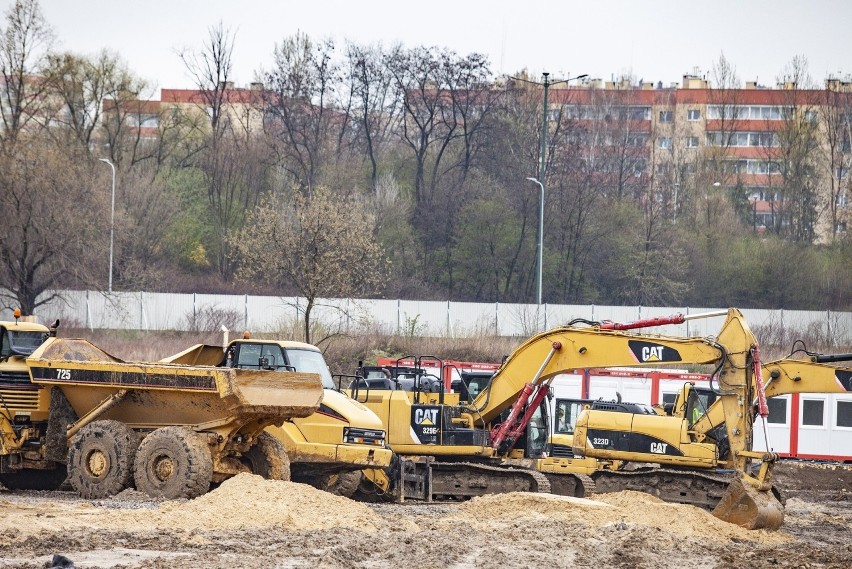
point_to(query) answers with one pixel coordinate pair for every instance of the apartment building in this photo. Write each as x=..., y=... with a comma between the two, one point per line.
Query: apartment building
x=753, y=142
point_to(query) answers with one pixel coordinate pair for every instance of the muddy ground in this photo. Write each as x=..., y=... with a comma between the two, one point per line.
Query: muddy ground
x=250, y=522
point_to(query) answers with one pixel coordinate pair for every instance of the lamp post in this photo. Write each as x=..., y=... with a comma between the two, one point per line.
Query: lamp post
x=111, y=220
x=540, y=262
x=707, y=199
x=546, y=84
x=542, y=162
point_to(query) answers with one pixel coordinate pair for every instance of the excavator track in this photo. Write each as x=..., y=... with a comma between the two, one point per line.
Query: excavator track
x=459, y=480
x=571, y=484
x=700, y=489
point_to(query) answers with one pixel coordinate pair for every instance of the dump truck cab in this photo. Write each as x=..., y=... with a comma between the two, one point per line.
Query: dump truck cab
x=327, y=449
x=23, y=403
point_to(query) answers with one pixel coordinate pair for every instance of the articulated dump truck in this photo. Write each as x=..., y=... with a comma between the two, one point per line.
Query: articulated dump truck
x=69, y=408
x=327, y=449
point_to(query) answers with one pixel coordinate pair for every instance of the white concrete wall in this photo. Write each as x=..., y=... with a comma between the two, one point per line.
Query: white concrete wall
x=169, y=311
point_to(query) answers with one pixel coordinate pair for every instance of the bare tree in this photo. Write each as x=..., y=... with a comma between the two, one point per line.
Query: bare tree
x=375, y=103
x=83, y=86
x=25, y=43
x=145, y=221
x=416, y=73
x=210, y=68
x=836, y=117
x=228, y=159
x=725, y=116
x=322, y=246
x=48, y=239
x=796, y=146
x=298, y=116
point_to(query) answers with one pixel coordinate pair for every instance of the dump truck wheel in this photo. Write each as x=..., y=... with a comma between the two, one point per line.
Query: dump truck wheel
x=100, y=459
x=267, y=457
x=173, y=462
x=31, y=479
x=341, y=483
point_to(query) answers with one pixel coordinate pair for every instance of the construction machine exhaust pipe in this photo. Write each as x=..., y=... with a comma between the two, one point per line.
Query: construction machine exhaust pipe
x=746, y=506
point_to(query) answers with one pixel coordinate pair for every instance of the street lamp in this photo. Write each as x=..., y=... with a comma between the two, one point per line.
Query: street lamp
x=111, y=220
x=542, y=167
x=546, y=84
x=540, y=235
x=707, y=199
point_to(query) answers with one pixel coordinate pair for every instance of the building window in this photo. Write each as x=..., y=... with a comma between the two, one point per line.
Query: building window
x=732, y=139
x=746, y=112
x=777, y=411
x=692, y=142
x=693, y=115
x=813, y=412
x=841, y=227
x=665, y=142
x=844, y=413
x=842, y=200
x=841, y=173
x=665, y=116
x=811, y=116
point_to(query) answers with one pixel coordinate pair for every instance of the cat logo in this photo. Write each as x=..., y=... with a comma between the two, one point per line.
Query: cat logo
x=425, y=416
x=652, y=353
x=646, y=352
x=659, y=448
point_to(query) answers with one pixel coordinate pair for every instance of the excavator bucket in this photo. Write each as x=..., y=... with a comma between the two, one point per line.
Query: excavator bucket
x=746, y=506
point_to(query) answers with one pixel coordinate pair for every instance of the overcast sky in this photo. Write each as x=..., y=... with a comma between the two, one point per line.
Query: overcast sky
x=654, y=40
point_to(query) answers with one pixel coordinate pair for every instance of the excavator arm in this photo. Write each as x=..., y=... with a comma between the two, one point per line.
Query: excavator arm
x=567, y=348
x=782, y=377
x=564, y=349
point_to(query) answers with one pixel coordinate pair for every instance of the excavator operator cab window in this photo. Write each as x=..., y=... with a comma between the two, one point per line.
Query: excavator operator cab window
x=537, y=434
x=697, y=403
x=471, y=384
x=567, y=411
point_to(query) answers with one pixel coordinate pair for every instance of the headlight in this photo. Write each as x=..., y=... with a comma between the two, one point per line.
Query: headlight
x=363, y=436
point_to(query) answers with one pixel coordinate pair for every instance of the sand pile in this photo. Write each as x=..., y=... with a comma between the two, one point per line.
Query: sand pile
x=243, y=502
x=630, y=508
x=247, y=501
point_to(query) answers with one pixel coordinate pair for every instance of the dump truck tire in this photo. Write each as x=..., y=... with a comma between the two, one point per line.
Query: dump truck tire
x=100, y=459
x=341, y=483
x=173, y=462
x=31, y=479
x=267, y=457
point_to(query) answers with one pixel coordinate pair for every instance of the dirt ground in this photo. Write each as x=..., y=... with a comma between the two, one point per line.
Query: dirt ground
x=251, y=522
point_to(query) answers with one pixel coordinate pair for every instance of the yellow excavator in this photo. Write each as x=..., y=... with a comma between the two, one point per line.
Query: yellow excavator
x=490, y=445
x=328, y=449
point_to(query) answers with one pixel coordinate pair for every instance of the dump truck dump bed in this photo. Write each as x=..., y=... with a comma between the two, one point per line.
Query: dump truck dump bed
x=156, y=394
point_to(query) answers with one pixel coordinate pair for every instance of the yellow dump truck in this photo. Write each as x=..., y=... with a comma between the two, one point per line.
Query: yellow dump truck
x=170, y=430
x=328, y=449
